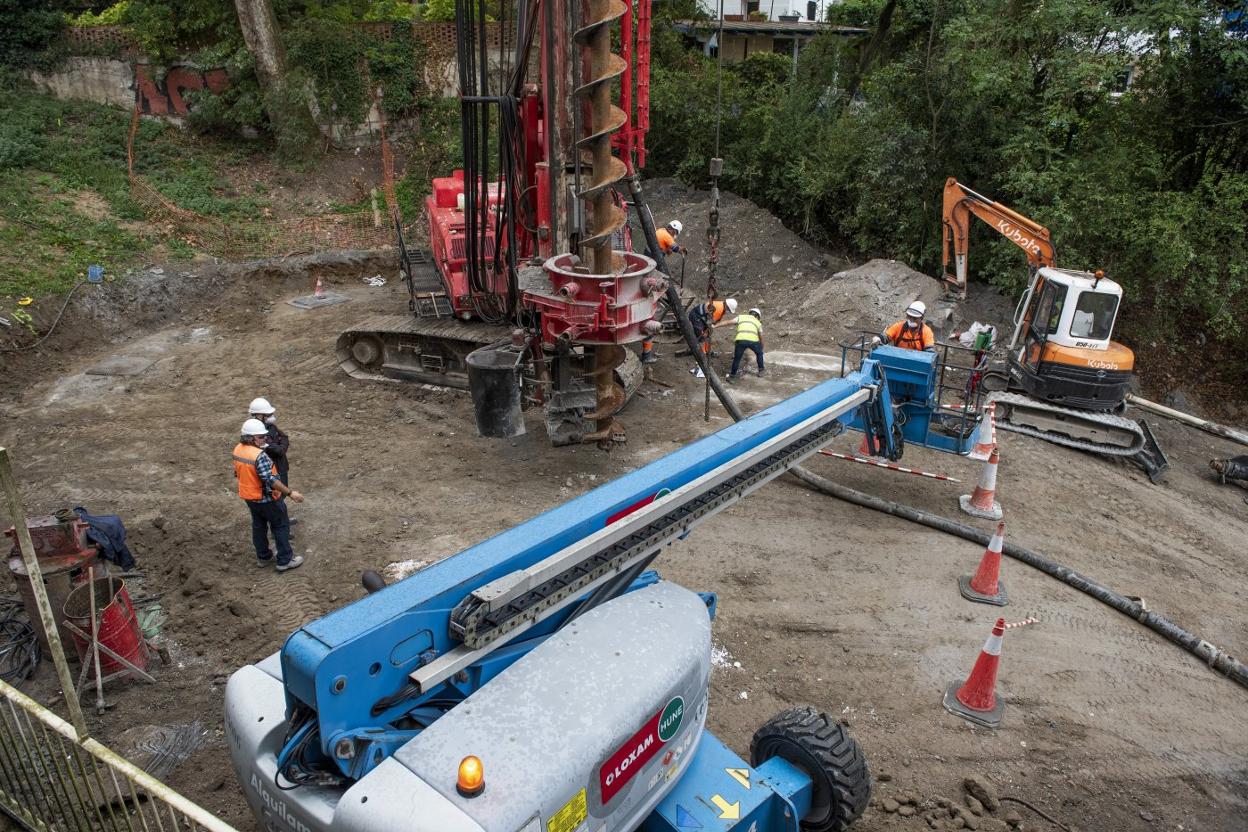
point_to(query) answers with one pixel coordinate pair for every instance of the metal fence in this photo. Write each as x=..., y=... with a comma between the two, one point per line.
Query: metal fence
x=50, y=780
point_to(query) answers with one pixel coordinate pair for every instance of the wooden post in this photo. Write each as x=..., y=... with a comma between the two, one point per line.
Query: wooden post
x=18, y=516
x=376, y=210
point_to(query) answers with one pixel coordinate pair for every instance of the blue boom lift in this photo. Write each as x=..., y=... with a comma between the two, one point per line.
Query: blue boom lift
x=546, y=680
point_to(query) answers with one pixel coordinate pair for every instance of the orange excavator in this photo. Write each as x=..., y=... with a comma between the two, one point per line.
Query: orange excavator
x=1072, y=377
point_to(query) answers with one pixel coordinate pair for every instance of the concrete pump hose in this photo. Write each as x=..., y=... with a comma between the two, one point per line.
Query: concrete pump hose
x=1203, y=650
x=1195, y=645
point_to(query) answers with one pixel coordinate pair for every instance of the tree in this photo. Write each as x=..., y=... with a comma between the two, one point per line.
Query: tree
x=264, y=40
x=1026, y=101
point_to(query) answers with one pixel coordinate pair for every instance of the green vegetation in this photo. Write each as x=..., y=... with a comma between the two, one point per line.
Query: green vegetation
x=334, y=64
x=1021, y=100
x=64, y=194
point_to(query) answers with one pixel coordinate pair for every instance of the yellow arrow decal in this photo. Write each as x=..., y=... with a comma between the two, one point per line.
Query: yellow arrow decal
x=727, y=811
x=741, y=775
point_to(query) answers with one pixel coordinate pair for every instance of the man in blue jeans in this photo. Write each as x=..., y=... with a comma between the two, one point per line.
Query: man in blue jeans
x=262, y=490
x=749, y=338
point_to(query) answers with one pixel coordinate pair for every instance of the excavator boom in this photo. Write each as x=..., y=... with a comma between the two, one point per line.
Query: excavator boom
x=960, y=203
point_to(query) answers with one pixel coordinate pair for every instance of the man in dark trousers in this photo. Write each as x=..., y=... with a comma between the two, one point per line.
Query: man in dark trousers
x=279, y=442
x=749, y=338
x=262, y=490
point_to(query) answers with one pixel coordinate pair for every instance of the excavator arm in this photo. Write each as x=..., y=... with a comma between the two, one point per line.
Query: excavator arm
x=960, y=203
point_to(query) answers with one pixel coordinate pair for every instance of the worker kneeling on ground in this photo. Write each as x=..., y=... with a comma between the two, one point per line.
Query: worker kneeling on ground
x=704, y=315
x=910, y=333
x=262, y=490
x=749, y=337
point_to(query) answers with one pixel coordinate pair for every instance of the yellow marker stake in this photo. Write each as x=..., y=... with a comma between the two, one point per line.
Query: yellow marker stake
x=727, y=811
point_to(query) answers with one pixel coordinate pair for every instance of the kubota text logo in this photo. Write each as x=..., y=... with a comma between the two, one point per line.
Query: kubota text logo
x=1027, y=242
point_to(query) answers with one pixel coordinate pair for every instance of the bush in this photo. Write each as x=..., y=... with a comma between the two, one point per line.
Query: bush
x=114, y=15
x=26, y=30
x=19, y=145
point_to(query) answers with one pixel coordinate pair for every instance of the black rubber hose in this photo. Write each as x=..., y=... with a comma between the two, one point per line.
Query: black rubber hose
x=674, y=301
x=1203, y=650
x=52, y=328
x=1198, y=647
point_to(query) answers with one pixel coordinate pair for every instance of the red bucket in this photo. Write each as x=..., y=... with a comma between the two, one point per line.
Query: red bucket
x=118, y=625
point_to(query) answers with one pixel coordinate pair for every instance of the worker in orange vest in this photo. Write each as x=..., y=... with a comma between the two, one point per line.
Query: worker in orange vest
x=667, y=237
x=910, y=333
x=262, y=490
x=705, y=315
x=667, y=242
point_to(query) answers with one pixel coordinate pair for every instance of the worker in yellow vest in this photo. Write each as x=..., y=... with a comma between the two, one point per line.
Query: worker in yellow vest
x=749, y=337
x=263, y=491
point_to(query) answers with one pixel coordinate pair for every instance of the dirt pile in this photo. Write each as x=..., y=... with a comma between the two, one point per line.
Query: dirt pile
x=871, y=296
x=755, y=250
x=795, y=283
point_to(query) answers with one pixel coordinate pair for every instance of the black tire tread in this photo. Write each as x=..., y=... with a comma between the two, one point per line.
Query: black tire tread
x=844, y=767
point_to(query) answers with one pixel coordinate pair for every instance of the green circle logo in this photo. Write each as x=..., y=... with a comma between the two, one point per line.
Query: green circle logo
x=670, y=719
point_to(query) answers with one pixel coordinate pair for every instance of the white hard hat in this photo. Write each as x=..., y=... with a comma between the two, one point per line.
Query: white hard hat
x=676, y=226
x=262, y=407
x=731, y=303
x=916, y=310
x=254, y=427
x=756, y=312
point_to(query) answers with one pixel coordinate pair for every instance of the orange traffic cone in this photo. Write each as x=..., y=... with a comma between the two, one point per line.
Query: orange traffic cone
x=983, y=502
x=319, y=291
x=865, y=449
x=987, y=434
x=976, y=699
x=986, y=586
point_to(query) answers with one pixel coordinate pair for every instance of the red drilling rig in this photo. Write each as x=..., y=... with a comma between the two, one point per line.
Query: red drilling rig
x=530, y=290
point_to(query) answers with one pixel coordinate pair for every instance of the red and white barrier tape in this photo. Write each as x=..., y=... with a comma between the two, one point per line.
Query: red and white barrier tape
x=1023, y=623
x=890, y=466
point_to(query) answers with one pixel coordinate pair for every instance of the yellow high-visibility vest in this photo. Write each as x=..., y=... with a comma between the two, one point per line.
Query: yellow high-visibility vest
x=749, y=328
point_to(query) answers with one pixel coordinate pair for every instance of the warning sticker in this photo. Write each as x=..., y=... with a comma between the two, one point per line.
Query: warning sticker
x=570, y=816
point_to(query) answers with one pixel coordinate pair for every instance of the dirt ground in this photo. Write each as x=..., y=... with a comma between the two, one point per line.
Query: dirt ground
x=1107, y=727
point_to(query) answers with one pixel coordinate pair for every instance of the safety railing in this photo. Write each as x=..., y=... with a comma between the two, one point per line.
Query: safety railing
x=957, y=402
x=52, y=781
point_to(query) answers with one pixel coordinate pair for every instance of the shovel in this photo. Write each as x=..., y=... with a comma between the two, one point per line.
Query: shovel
x=100, y=704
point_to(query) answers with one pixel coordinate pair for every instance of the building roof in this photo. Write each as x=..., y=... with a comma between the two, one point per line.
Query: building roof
x=786, y=28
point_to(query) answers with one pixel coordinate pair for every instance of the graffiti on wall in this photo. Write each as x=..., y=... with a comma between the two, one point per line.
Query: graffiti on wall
x=166, y=97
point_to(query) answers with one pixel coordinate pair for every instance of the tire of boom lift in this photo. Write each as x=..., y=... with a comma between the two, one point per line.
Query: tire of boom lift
x=820, y=747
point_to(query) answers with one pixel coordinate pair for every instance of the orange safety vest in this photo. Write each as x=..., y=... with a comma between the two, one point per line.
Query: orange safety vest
x=249, y=485
x=666, y=240
x=906, y=338
x=717, y=309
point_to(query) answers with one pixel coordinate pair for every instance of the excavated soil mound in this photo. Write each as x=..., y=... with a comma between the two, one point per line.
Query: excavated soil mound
x=871, y=296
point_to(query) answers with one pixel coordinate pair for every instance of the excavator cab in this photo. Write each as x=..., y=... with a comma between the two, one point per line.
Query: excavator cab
x=1061, y=350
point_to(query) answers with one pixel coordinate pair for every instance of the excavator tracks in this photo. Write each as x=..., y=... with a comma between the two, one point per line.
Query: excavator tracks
x=1084, y=430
